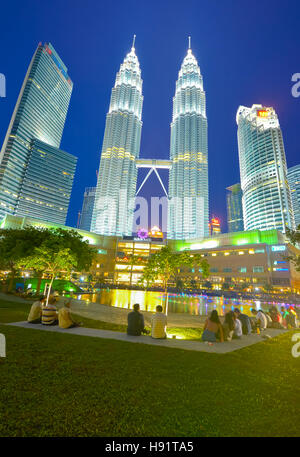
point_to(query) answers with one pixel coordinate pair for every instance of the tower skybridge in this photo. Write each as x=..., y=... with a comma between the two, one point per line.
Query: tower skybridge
x=153, y=165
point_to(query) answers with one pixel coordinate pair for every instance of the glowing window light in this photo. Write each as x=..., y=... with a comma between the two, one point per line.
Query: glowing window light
x=262, y=113
x=278, y=248
x=241, y=252
x=205, y=245
x=242, y=241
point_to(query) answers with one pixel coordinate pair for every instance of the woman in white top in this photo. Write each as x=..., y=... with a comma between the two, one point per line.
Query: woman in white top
x=260, y=318
x=238, y=331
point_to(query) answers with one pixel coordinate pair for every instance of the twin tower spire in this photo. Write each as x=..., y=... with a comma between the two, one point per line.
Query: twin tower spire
x=114, y=206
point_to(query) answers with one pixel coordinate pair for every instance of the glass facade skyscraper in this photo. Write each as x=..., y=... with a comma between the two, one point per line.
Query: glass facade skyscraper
x=47, y=183
x=266, y=194
x=188, y=178
x=40, y=114
x=116, y=186
x=294, y=183
x=87, y=208
x=234, y=205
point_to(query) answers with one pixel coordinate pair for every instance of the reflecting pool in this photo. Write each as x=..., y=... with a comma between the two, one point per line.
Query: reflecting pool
x=193, y=304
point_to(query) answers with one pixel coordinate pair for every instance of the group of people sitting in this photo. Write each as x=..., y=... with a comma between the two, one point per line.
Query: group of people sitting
x=236, y=324
x=48, y=314
x=136, y=323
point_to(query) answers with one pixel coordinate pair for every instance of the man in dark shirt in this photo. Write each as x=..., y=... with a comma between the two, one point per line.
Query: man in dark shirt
x=245, y=321
x=136, y=324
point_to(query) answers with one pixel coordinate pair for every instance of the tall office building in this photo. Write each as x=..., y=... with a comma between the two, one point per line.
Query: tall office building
x=266, y=194
x=294, y=183
x=188, y=178
x=214, y=226
x=87, y=208
x=234, y=205
x=39, y=114
x=116, y=187
x=47, y=183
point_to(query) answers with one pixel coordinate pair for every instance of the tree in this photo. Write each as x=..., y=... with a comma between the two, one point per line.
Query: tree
x=16, y=244
x=226, y=285
x=205, y=268
x=294, y=238
x=193, y=283
x=133, y=260
x=147, y=278
x=164, y=265
x=242, y=286
x=268, y=287
x=207, y=285
x=62, y=250
x=179, y=283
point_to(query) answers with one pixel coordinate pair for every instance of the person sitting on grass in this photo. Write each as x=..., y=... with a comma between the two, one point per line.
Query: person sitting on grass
x=260, y=318
x=35, y=313
x=213, y=330
x=228, y=326
x=284, y=314
x=291, y=319
x=245, y=321
x=276, y=317
x=238, y=332
x=136, y=323
x=49, y=312
x=64, y=317
x=159, y=324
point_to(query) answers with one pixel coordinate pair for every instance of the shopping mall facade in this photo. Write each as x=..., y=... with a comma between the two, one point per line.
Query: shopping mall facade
x=254, y=257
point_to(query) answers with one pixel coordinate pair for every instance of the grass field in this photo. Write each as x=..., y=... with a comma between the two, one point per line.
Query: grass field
x=67, y=385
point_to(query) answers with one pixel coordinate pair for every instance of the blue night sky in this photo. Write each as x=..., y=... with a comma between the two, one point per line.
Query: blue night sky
x=247, y=52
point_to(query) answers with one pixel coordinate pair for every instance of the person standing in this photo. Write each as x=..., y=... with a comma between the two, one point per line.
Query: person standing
x=159, y=324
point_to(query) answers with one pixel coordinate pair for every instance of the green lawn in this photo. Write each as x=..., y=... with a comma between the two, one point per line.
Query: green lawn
x=67, y=385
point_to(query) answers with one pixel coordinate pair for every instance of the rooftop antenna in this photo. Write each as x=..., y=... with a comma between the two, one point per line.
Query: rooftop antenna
x=133, y=41
x=189, y=42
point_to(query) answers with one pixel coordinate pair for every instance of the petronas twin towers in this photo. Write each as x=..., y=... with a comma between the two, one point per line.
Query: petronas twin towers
x=188, y=176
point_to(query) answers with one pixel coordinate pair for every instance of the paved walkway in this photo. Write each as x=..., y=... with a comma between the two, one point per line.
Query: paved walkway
x=220, y=348
x=14, y=298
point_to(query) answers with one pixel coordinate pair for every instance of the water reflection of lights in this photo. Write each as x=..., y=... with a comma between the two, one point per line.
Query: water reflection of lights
x=193, y=304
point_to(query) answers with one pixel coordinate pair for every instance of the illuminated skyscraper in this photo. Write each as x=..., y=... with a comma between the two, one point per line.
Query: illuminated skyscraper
x=266, y=194
x=235, y=221
x=115, y=192
x=294, y=183
x=39, y=116
x=214, y=226
x=47, y=183
x=87, y=208
x=188, y=178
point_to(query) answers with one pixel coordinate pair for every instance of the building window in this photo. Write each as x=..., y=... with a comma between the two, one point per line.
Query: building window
x=258, y=269
x=242, y=269
x=227, y=270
